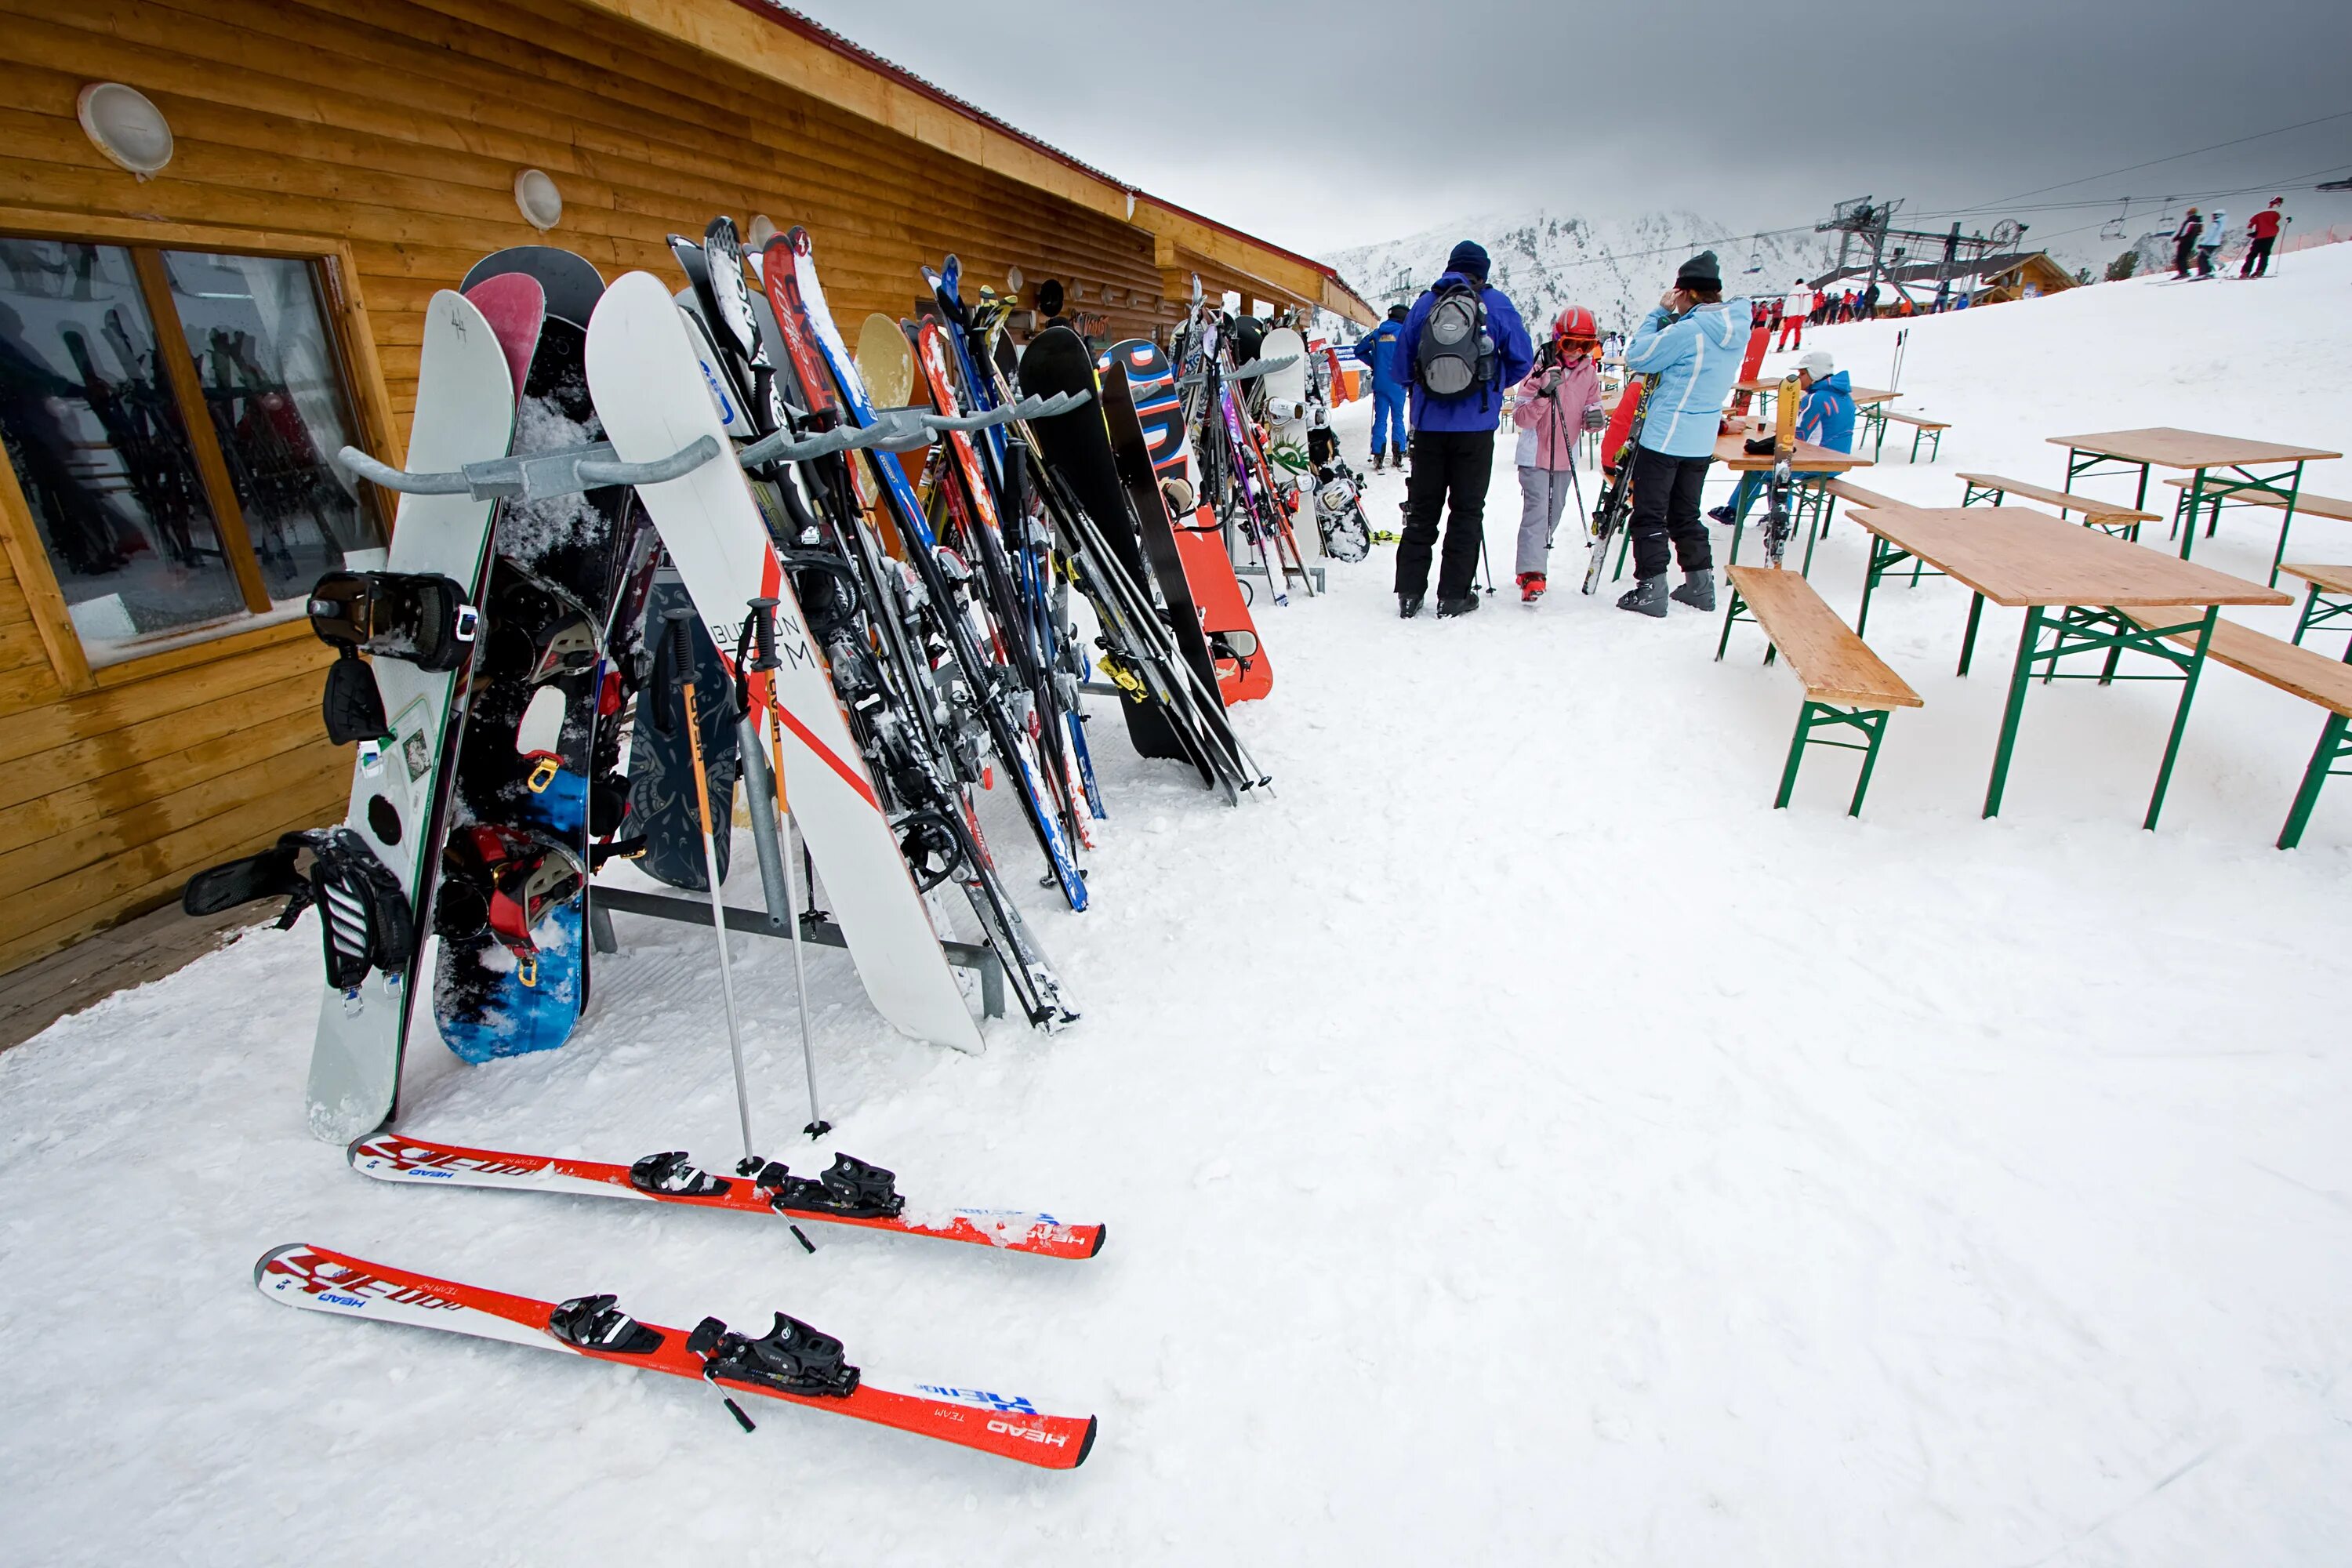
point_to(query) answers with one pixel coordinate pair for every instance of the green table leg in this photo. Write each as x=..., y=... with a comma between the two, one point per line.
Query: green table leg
x=1968, y=643
x=1869, y=582
x=2331, y=750
x=2191, y=502
x=2294, y=493
x=2018, y=679
x=2310, y=603
x=2180, y=715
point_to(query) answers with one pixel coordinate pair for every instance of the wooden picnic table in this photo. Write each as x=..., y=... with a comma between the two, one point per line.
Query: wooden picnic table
x=2199, y=455
x=1807, y=461
x=2022, y=558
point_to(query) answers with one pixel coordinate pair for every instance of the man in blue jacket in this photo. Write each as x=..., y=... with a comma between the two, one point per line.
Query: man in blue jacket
x=1378, y=349
x=1825, y=418
x=1453, y=432
x=1690, y=345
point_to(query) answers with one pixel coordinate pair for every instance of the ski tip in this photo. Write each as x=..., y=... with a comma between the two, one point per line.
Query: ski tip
x=1086, y=1444
x=261, y=1269
x=1102, y=1234
x=358, y=1145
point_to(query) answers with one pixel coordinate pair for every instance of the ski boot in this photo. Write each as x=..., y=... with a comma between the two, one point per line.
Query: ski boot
x=1379, y=461
x=1408, y=605
x=1697, y=590
x=1647, y=595
x=1449, y=608
x=1531, y=586
x=1722, y=514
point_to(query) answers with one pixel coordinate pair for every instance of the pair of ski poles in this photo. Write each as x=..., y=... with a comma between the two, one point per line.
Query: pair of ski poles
x=681, y=652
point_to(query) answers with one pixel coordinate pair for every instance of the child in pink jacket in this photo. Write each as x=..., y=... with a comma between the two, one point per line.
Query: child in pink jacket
x=1552, y=408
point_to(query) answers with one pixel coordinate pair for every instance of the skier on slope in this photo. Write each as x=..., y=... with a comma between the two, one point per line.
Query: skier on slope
x=2262, y=233
x=1794, y=313
x=1378, y=349
x=1553, y=407
x=2184, y=243
x=1824, y=418
x=1463, y=344
x=2208, y=244
x=1690, y=343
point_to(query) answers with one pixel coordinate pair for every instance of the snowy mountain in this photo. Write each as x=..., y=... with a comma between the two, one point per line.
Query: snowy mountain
x=1545, y=260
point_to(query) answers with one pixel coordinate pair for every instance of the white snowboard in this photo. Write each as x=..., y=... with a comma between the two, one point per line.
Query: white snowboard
x=654, y=395
x=465, y=414
x=1285, y=428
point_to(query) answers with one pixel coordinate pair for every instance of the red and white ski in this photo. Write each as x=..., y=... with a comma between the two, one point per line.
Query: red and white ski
x=853, y=1193
x=792, y=1363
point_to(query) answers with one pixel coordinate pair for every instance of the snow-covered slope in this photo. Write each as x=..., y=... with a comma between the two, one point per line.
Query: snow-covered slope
x=1617, y=268
x=1520, y=1143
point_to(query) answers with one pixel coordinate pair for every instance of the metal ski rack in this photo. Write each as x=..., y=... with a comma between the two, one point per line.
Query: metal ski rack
x=539, y=475
x=1314, y=574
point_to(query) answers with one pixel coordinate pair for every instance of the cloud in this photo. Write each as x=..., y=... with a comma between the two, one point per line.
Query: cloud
x=1322, y=127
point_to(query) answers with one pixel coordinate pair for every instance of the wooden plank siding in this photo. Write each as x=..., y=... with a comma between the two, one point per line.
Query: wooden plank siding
x=383, y=137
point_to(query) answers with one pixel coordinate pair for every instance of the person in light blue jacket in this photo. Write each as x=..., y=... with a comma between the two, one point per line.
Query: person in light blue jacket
x=1383, y=350
x=1690, y=345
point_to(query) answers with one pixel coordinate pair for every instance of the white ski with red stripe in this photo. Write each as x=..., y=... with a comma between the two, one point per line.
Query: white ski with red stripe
x=321, y=1280
x=654, y=395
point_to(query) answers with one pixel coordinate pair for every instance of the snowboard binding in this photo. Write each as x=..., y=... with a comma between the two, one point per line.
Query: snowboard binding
x=596, y=1323
x=364, y=919
x=419, y=616
x=791, y=1358
x=502, y=882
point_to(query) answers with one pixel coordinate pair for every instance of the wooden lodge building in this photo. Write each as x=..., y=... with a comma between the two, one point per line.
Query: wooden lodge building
x=330, y=164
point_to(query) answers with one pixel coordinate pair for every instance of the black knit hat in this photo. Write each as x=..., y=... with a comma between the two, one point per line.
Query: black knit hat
x=1469, y=258
x=1701, y=271
x=1399, y=312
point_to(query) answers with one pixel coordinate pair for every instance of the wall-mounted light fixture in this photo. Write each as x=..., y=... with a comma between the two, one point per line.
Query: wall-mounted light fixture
x=123, y=123
x=536, y=197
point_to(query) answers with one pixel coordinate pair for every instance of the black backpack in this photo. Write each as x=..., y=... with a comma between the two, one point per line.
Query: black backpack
x=1457, y=352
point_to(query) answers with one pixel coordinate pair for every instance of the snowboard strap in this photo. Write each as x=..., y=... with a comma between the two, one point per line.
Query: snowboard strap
x=364, y=919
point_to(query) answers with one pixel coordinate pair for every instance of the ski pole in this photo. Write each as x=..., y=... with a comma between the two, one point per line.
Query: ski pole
x=764, y=660
x=681, y=663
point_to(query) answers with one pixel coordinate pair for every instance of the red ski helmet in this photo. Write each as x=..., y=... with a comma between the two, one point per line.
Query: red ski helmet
x=1576, y=324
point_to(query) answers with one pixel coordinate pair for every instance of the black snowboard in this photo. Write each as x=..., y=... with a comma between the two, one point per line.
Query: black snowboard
x=1131, y=455
x=1076, y=445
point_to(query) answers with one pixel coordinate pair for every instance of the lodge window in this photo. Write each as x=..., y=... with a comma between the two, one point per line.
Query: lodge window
x=171, y=416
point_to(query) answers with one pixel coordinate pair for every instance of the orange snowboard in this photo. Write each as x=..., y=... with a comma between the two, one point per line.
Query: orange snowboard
x=1243, y=674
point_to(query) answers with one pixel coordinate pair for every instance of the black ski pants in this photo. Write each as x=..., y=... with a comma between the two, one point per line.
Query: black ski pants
x=1450, y=470
x=1666, y=506
x=2257, y=263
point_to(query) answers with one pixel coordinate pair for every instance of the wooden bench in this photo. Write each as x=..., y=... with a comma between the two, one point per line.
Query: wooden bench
x=2109, y=517
x=2301, y=671
x=2333, y=508
x=1846, y=685
x=2318, y=611
x=1933, y=429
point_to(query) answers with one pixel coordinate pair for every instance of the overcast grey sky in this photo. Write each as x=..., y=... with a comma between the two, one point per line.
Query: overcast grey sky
x=1324, y=126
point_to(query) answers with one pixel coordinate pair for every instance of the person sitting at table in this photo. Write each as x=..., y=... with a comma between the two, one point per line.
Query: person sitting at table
x=1825, y=419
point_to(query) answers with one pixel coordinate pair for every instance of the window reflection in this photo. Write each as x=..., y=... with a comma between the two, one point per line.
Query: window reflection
x=99, y=449
x=271, y=386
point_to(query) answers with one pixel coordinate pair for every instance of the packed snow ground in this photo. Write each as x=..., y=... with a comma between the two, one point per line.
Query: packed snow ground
x=1520, y=1143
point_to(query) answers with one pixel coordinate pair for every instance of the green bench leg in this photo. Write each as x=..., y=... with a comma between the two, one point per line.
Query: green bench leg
x=2331, y=750
x=1730, y=614
x=2310, y=603
x=1813, y=716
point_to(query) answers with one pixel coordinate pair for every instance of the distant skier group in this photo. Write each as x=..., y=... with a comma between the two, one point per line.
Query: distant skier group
x=2197, y=241
x=1449, y=366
